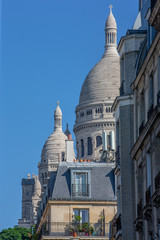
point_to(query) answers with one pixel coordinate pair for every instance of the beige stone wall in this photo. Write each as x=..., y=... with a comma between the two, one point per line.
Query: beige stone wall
x=61, y=215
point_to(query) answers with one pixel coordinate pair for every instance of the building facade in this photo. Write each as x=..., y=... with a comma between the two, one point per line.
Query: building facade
x=137, y=128
x=146, y=150
x=73, y=192
x=94, y=112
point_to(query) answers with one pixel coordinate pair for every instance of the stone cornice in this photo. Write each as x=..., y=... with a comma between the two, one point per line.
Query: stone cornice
x=133, y=36
x=92, y=123
x=121, y=99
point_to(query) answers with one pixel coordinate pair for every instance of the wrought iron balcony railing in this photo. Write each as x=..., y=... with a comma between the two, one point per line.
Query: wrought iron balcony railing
x=79, y=190
x=69, y=228
x=153, y=3
x=118, y=223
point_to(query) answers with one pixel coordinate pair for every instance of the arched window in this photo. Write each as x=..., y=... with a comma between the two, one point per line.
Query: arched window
x=106, y=110
x=82, y=148
x=98, y=141
x=113, y=37
x=89, y=144
x=99, y=110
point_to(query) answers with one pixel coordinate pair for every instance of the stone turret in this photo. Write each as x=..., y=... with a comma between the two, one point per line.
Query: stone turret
x=53, y=150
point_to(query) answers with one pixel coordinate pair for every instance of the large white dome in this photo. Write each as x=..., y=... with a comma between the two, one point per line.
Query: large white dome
x=102, y=82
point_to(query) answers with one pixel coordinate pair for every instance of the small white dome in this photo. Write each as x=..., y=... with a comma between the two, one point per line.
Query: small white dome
x=111, y=22
x=54, y=146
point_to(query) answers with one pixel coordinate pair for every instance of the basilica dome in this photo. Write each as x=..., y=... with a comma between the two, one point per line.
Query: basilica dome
x=55, y=145
x=102, y=82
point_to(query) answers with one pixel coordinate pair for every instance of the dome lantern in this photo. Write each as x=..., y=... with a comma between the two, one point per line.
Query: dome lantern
x=110, y=33
x=58, y=118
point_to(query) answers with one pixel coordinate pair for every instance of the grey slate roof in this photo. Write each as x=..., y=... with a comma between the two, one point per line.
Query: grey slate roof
x=102, y=181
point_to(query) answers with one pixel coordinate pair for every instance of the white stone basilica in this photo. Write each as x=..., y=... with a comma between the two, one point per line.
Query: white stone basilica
x=94, y=113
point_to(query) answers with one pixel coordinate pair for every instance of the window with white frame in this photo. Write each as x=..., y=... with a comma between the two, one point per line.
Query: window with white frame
x=83, y=214
x=80, y=184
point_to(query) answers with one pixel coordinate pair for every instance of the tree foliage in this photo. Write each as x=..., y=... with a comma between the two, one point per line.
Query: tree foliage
x=16, y=233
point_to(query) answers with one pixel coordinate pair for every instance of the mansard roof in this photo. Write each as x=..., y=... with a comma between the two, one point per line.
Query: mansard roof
x=102, y=182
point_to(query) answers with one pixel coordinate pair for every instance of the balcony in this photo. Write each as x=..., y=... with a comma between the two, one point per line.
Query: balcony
x=156, y=195
x=154, y=117
x=139, y=220
x=118, y=227
x=154, y=19
x=147, y=210
x=66, y=230
x=153, y=3
x=80, y=190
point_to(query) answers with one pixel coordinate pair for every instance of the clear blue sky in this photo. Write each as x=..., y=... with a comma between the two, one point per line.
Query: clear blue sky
x=47, y=49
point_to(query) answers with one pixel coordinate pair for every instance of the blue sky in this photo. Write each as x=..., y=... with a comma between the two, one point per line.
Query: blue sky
x=47, y=49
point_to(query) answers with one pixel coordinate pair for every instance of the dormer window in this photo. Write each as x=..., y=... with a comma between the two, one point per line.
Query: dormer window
x=80, y=183
x=80, y=186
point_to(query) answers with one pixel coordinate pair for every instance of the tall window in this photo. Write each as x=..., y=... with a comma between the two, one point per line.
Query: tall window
x=82, y=148
x=83, y=214
x=98, y=141
x=80, y=186
x=98, y=110
x=89, y=146
x=89, y=112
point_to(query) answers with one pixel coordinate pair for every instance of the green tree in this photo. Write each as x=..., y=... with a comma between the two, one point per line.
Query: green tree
x=15, y=233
